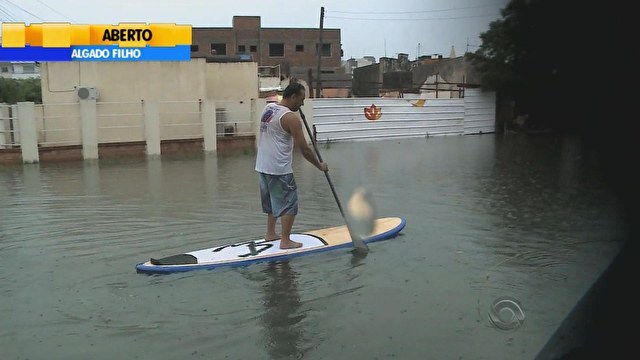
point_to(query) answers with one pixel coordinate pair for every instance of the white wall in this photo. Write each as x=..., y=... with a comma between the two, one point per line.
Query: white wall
x=177, y=87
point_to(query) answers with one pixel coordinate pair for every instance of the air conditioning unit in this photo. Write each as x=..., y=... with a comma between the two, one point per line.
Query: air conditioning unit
x=87, y=93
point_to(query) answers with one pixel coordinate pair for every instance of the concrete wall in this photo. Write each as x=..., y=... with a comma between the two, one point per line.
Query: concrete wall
x=123, y=88
x=232, y=86
x=124, y=81
x=231, y=81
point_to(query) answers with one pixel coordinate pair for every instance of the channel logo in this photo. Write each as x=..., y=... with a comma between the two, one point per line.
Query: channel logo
x=73, y=42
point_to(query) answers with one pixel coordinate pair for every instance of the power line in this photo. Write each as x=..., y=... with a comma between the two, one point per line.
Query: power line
x=56, y=11
x=404, y=19
x=8, y=14
x=24, y=10
x=408, y=12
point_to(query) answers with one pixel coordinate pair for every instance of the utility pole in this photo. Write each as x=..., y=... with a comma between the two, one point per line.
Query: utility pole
x=319, y=49
x=310, y=78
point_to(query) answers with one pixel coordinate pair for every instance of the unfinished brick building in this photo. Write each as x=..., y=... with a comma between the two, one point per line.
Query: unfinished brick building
x=293, y=49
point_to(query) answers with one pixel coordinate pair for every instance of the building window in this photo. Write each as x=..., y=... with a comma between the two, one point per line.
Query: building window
x=218, y=49
x=5, y=69
x=326, y=49
x=299, y=48
x=242, y=49
x=195, y=48
x=253, y=48
x=28, y=69
x=276, y=49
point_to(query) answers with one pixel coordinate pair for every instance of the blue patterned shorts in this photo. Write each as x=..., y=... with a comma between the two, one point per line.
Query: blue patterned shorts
x=278, y=194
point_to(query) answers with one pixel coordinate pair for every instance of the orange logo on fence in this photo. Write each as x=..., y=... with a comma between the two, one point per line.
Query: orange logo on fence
x=373, y=112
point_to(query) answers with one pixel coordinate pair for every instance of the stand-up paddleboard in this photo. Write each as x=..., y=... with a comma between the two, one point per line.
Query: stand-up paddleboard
x=247, y=252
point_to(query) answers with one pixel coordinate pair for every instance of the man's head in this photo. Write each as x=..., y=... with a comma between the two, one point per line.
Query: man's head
x=293, y=96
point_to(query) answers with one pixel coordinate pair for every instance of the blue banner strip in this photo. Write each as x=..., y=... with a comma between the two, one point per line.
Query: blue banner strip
x=97, y=53
x=35, y=53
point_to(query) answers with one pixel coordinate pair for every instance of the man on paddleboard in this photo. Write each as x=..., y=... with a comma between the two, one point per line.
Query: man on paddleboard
x=280, y=132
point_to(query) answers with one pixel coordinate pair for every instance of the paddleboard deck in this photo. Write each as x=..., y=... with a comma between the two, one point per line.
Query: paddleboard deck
x=247, y=252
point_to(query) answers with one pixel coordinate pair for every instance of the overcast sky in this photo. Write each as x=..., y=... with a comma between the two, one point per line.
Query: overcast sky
x=374, y=28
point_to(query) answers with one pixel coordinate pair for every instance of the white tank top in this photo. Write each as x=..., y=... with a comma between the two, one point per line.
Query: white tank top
x=275, y=144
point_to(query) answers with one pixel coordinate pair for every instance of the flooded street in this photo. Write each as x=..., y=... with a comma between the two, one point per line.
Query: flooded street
x=487, y=217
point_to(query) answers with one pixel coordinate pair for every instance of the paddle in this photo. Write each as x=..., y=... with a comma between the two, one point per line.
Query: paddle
x=357, y=240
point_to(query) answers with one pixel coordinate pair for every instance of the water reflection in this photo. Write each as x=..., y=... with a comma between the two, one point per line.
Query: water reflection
x=154, y=178
x=31, y=180
x=358, y=257
x=282, y=320
x=91, y=173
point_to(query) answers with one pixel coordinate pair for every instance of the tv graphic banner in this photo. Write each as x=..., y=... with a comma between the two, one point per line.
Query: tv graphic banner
x=71, y=42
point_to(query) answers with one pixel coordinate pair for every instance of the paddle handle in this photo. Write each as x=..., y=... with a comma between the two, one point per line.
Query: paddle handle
x=315, y=147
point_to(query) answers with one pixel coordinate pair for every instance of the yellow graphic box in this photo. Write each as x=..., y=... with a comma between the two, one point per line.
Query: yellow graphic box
x=56, y=35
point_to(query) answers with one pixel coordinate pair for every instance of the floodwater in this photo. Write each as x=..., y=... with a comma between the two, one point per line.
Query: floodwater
x=488, y=217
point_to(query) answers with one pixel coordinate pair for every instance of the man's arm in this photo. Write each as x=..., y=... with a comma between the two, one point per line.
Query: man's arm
x=291, y=123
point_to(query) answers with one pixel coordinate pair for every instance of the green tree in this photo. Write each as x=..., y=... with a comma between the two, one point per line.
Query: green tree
x=16, y=90
x=521, y=57
x=548, y=57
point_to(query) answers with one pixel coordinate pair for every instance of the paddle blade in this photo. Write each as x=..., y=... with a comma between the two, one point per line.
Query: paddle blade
x=361, y=214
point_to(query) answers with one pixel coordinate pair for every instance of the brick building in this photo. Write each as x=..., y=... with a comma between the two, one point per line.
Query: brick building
x=294, y=49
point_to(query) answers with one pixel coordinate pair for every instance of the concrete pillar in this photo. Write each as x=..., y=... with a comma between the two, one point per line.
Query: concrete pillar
x=28, y=132
x=4, y=119
x=152, y=127
x=208, y=118
x=16, y=124
x=89, y=125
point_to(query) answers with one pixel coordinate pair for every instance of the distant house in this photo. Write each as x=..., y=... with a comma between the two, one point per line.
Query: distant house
x=294, y=51
x=352, y=63
x=429, y=76
x=20, y=70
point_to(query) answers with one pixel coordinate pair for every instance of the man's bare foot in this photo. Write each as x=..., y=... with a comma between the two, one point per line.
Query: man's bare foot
x=271, y=237
x=289, y=244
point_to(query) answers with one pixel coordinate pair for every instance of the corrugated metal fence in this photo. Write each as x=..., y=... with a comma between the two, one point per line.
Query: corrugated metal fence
x=372, y=118
x=479, y=112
